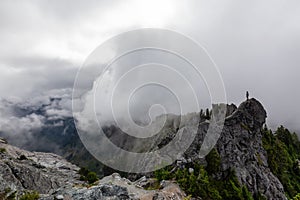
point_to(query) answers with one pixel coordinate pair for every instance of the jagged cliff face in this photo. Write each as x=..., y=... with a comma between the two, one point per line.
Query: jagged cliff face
x=240, y=148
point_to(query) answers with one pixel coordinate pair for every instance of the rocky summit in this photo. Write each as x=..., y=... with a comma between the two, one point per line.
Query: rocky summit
x=240, y=148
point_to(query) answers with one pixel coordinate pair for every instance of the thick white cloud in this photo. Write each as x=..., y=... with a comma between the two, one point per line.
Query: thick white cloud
x=18, y=129
x=255, y=44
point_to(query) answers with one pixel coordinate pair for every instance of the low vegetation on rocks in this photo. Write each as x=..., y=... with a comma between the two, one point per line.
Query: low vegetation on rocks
x=201, y=183
x=87, y=175
x=2, y=150
x=30, y=196
x=283, y=153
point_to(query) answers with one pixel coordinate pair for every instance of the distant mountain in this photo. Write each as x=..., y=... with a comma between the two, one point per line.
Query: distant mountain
x=55, y=132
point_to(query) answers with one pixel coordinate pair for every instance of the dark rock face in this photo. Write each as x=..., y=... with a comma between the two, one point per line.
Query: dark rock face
x=230, y=109
x=240, y=148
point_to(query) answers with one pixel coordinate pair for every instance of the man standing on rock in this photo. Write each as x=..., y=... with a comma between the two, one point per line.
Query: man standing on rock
x=247, y=95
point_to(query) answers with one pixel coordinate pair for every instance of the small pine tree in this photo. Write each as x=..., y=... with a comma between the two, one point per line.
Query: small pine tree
x=207, y=114
x=213, y=161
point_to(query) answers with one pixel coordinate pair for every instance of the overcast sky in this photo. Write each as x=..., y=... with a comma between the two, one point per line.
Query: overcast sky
x=255, y=44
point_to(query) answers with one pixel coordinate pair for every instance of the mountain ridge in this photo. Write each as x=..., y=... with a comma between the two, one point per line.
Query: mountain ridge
x=241, y=149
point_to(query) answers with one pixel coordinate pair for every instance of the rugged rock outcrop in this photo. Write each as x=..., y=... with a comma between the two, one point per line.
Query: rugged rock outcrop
x=115, y=187
x=55, y=178
x=240, y=149
x=43, y=172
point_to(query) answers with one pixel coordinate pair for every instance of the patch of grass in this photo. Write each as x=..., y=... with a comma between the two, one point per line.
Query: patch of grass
x=30, y=196
x=154, y=185
x=189, y=197
x=297, y=197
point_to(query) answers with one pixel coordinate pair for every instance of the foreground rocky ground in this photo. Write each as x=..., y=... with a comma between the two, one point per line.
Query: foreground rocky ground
x=54, y=178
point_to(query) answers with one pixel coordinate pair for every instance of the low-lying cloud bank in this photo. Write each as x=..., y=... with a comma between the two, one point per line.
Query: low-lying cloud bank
x=21, y=121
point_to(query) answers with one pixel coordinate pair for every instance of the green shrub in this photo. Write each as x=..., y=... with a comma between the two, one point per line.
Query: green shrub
x=201, y=184
x=162, y=174
x=82, y=178
x=2, y=150
x=30, y=196
x=246, y=194
x=87, y=175
x=297, y=197
x=91, y=177
x=83, y=171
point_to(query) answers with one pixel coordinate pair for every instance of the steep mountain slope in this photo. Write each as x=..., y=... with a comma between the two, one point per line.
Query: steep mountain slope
x=238, y=155
x=240, y=148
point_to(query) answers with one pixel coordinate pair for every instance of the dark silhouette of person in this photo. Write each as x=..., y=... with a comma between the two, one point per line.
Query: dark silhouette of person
x=247, y=95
